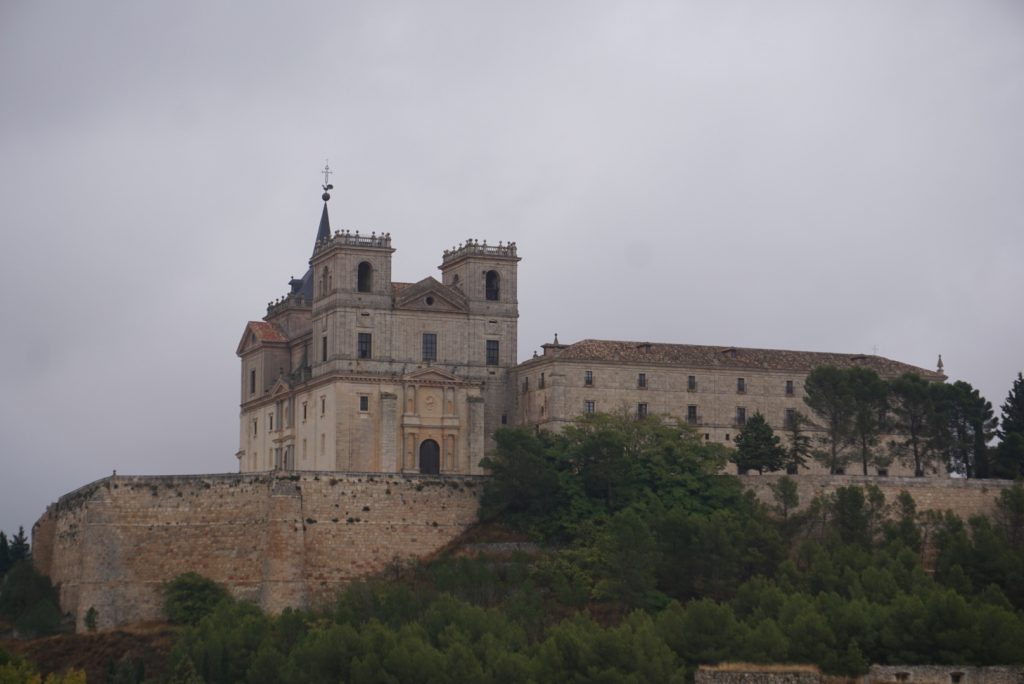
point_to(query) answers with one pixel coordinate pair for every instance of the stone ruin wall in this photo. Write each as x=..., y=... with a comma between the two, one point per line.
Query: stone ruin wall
x=275, y=539
x=878, y=674
x=284, y=540
x=966, y=498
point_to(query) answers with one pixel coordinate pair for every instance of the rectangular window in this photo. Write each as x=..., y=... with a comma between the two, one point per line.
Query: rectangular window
x=641, y=380
x=691, y=383
x=504, y=419
x=252, y=381
x=741, y=416
x=364, y=345
x=588, y=378
x=364, y=403
x=255, y=426
x=741, y=385
x=541, y=384
x=492, y=352
x=691, y=414
x=270, y=422
x=790, y=417
x=789, y=388
x=588, y=406
x=323, y=348
x=305, y=410
x=641, y=410
x=304, y=454
x=323, y=405
x=429, y=346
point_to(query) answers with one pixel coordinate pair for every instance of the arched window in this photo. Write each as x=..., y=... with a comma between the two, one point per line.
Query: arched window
x=364, y=280
x=455, y=280
x=493, y=281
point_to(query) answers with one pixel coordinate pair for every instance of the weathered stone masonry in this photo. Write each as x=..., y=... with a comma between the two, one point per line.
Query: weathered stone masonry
x=293, y=539
x=278, y=540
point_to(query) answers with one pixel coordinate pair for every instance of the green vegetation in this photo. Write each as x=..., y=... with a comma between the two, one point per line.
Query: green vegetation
x=190, y=597
x=15, y=670
x=29, y=601
x=651, y=562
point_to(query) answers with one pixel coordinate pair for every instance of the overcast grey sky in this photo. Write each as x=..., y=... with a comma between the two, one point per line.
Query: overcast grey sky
x=833, y=176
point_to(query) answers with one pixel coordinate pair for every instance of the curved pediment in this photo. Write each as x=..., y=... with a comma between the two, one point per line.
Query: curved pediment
x=431, y=295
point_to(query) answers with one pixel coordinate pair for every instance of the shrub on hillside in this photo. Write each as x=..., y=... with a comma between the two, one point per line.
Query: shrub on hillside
x=190, y=597
x=29, y=601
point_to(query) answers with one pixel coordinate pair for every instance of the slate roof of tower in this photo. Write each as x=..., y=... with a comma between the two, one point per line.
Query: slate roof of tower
x=703, y=356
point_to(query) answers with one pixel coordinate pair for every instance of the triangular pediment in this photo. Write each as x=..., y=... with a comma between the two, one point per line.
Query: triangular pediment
x=282, y=386
x=431, y=295
x=431, y=374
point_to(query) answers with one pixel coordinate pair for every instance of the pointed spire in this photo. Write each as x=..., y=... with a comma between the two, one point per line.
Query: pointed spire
x=324, y=233
x=942, y=368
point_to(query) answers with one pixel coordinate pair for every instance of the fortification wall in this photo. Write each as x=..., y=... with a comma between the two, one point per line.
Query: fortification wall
x=966, y=498
x=278, y=540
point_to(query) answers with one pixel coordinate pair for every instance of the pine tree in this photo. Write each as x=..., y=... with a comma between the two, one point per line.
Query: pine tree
x=758, y=447
x=828, y=395
x=798, y=449
x=870, y=395
x=914, y=412
x=19, y=546
x=1009, y=455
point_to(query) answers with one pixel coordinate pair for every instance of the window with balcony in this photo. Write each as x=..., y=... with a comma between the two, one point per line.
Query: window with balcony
x=641, y=380
x=741, y=416
x=691, y=383
x=691, y=414
x=641, y=410
x=789, y=388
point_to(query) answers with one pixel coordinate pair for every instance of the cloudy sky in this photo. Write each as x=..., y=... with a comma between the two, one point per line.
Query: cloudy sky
x=834, y=176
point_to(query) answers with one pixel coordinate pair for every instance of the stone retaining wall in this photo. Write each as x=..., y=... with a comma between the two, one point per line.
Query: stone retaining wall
x=276, y=539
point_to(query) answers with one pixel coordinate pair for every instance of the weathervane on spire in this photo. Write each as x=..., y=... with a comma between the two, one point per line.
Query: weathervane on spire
x=327, y=180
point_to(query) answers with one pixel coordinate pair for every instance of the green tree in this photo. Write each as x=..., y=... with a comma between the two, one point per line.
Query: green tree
x=29, y=600
x=870, y=396
x=964, y=426
x=786, y=495
x=19, y=546
x=913, y=411
x=190, y=597
x=1010, y=452
x=627, y=557
x=798, y=442
x=758, y=447
x=524, y=480
x=828, y=395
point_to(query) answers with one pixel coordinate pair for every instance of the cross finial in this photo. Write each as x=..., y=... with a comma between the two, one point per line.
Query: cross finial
x=327, y=174
x=327, y=180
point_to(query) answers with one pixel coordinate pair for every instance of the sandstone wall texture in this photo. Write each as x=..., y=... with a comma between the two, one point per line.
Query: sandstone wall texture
x=279, y=540
x=942, y=674
x=966, y=498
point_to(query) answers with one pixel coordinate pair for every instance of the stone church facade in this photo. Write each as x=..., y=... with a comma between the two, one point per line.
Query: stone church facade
x=353, y=372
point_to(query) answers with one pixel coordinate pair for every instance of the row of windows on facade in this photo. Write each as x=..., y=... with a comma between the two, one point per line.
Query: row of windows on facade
x=281, y=415
x=641, y=382
x=693, y=418
x=364, y=350
x=364, y=281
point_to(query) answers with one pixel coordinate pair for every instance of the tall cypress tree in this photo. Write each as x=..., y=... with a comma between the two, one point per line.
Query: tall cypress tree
x=1010, y=453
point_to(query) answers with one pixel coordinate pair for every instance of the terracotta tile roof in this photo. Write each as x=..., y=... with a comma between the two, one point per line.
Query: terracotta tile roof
x=267, y=332
x=398, y=287
x=702, y=356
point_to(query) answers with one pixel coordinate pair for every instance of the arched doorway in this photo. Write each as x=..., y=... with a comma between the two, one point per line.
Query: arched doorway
x=430, y=457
